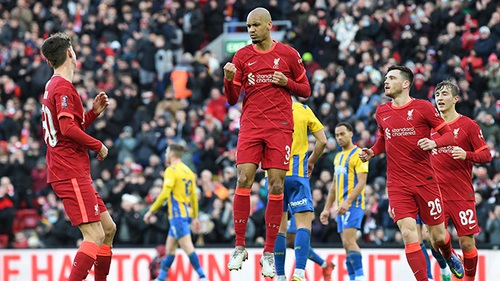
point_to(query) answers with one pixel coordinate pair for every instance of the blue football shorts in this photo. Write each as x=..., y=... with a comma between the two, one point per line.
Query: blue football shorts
x=179, y=227
x=297, y=195
x=351, y=219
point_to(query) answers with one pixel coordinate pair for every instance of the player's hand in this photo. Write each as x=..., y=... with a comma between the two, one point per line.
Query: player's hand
x=310, y=168
x=279, y=79
x=366, y=154
x=196, y=225
x=458, y=153
x=426, y=144
x=343, y=207
x=147, y=216
x=100, y=103
x=103, y=153
x=229, y=71
x=324, y=216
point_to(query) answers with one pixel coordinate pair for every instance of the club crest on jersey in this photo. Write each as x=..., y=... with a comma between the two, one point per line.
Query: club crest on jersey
x=276, y=63
x=251, y=79
x=387, y=133
x=455, y=132
x=410, y=115
x=64, y=101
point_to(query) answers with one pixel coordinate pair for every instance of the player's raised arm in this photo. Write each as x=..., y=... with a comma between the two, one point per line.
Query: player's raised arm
x=231, y=87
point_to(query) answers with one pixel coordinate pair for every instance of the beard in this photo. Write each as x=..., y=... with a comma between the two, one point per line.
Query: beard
x=256, y=41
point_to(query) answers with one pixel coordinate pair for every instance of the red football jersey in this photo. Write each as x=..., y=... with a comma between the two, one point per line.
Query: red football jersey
x=455, y=176
x=66, y=159
x=402, y=127
x=266, y=105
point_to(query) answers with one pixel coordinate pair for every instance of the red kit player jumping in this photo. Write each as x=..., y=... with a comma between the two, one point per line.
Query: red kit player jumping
x=268, y=72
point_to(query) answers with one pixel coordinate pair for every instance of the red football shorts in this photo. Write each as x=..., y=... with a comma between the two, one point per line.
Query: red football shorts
x=425, y=200
x=463, y=215
x=81, y=201
x=271, y=147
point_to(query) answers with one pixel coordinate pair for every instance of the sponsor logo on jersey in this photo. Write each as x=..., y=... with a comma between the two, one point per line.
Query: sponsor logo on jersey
x=400, y=132
x=301, y=202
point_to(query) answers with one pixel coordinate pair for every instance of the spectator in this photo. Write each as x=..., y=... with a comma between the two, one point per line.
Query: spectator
x=192, y=27
x=130, y=225
x=493, y=227
x=486, y=44
x=482, y=212
x=7, y=210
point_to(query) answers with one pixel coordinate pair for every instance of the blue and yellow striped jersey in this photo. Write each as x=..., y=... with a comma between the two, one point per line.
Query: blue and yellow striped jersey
x=179, y=188
x=347, y=165
x=304, y=121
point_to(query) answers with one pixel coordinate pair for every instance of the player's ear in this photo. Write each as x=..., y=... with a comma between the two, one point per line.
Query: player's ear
x=70, y=55
x=406, y=84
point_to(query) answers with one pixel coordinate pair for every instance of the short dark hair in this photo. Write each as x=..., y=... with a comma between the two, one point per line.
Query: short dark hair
x=176, y=149
x=406, y=72
x=345, y=124
x=54, y=49
x=448, y=83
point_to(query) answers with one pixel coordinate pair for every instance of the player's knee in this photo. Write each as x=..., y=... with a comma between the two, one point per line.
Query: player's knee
x=409, y=234
x=244, y=181
x=110, y=230
x=275, y=188
x=97, y=236
x=467, y=244
x=349, y=243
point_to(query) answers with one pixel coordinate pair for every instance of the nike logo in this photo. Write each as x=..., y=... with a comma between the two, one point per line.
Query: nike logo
x=251, y=63
x=437, y=217
x=471, y=227
x=286, y=163
x=469, y=269
x=433, y=133
x=385, y=118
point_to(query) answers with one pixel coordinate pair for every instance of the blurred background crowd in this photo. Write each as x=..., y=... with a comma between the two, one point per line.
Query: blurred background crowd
x=164, y=87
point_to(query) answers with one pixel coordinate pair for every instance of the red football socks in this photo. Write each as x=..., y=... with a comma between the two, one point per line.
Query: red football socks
x=416, y=260
x=470, y=264
x=445, y=248
x=103, y=262
x=241, y=212
x=274, y=211
x=84, y=260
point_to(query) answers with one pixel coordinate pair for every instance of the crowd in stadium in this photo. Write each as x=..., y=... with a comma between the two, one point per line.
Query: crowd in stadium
x=164, y=87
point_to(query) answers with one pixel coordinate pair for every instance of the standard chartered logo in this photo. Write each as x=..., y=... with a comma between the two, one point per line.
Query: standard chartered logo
x=251, y=79
x=400, y=132
x=259, y=78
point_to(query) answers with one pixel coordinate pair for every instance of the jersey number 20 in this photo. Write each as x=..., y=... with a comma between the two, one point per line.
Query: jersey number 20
x=48, y=127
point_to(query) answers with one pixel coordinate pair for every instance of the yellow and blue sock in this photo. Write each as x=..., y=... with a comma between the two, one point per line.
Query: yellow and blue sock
x=166, y=263
x=439, y=258
x=350, y=268
x=302, y=247
x=193, y=258
x=427, y=260
x=280, y=254
x=315, y=257
x=357, y=264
